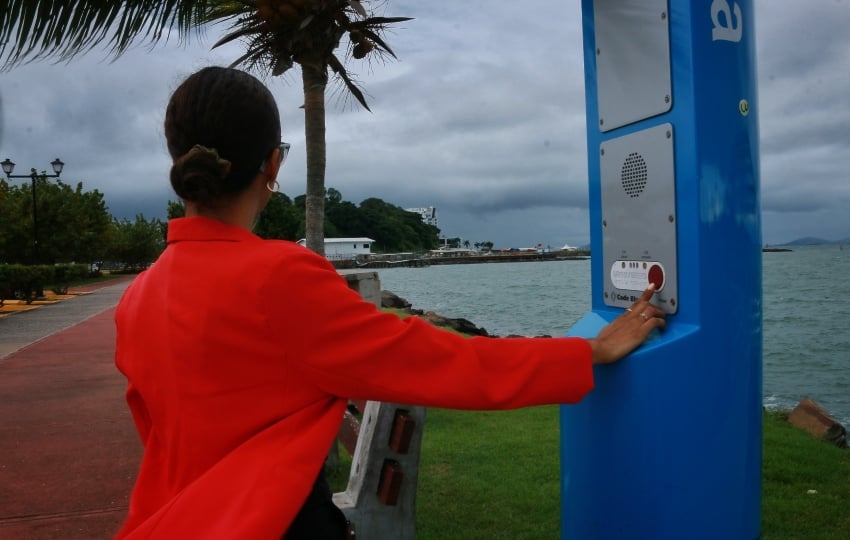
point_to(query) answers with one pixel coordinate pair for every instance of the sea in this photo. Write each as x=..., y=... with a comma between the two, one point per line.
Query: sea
x=806, y=312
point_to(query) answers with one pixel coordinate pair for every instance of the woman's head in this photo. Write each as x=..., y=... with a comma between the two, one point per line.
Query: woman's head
x=221, y=124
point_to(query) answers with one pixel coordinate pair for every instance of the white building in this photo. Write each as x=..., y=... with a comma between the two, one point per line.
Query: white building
x=345, y=248
x=429, y=214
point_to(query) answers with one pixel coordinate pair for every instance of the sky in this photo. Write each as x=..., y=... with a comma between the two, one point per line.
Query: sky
x=481, y=116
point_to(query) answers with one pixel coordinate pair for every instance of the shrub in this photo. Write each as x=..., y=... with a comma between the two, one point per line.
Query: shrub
x=65, y=274
x=26, y=282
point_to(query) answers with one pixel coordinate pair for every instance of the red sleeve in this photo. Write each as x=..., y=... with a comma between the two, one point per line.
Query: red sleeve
x=349, y=348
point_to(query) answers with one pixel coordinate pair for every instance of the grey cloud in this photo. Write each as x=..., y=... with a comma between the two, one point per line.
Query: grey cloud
x=482, y=115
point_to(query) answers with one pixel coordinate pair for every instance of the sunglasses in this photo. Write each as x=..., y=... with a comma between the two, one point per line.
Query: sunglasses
x=284, y=151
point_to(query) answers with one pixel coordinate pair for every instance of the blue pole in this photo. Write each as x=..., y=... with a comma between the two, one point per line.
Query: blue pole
x=668, y=445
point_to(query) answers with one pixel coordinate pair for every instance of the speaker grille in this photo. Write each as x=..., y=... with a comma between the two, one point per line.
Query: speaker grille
x=633, y=175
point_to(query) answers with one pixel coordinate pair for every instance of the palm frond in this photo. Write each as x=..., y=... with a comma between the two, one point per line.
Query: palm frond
x=243, y=32
x=358, y=8
x=340, y=71
x=61, y=29
x=383, y=21
x=228, y=9
x=378, y=41
x=250, y=57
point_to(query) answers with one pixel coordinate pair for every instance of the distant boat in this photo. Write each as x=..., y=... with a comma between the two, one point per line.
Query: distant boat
x=568, y=247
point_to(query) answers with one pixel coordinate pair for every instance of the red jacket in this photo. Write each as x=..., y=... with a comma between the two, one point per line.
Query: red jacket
x=241, y=354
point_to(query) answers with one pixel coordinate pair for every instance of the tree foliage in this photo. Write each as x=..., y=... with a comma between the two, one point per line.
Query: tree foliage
x=280, y=219
x=396, y=229
x=393, y=228
x=72, y=225
x=137, y=243
x=175, y=209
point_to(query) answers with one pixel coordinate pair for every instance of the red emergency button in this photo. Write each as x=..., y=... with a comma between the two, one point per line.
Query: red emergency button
x=656, y=276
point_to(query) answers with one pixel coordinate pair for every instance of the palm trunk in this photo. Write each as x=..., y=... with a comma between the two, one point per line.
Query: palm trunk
x=314, y=81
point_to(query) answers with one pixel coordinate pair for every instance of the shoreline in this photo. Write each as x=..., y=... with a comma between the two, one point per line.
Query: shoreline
x=412, y=260
x=396, y=260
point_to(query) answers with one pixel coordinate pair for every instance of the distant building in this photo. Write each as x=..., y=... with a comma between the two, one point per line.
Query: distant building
x=345, y=248
x=429, y=214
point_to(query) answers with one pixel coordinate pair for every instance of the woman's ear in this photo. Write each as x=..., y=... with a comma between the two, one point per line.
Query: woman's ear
x=271, y=165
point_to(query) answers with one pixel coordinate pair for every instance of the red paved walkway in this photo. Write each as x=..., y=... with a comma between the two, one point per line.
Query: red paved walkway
x=68, y=448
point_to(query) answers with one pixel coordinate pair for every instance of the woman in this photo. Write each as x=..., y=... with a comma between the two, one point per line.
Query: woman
x=241, y=354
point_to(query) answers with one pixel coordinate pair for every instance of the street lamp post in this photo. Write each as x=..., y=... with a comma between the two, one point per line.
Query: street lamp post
x=8, y=168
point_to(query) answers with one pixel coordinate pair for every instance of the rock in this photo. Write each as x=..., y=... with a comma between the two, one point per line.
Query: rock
x=392, y=300
x=460, y=325
x=810, y=416
x=466, y=327
x=434, y=318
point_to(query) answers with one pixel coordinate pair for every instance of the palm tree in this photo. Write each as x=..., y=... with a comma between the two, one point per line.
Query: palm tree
x=277, y=33
x=280, y=33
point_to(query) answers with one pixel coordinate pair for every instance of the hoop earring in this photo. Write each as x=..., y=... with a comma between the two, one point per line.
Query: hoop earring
x=274, y=183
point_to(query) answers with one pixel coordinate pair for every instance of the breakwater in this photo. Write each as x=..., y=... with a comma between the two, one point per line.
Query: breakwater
x=417, y=261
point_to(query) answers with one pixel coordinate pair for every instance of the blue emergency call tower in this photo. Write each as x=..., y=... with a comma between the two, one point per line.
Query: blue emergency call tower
x=668, y=445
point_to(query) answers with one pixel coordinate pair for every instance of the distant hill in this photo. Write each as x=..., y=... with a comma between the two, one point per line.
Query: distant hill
x=807, y=241
x=813, y=241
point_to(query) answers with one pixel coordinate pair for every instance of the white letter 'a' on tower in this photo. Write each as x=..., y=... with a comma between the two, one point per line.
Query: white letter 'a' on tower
x=730, y=30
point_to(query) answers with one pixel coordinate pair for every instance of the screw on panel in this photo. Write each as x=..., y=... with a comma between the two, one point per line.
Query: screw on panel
x=604, y=223
x=601, y=121
x=602, y=151
x=669, y=134
x=606, y=295
x=663, y=15
x=670, y=218
x=598, y=52
x=672, y=301
x=667, y=98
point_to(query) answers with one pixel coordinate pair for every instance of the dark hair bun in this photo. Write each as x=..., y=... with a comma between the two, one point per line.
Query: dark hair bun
x=198, y=174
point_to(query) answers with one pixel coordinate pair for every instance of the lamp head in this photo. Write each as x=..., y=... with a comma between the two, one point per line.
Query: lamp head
x=8, y=166
x=57, y=166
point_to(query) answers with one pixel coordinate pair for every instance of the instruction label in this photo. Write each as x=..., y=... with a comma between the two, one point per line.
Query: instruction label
x=637, y=275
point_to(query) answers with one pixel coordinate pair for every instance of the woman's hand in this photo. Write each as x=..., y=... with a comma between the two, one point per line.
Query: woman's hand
x=628, y=331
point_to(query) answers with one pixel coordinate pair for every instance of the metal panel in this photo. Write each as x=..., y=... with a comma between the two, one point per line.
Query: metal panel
x=639, y=216
x=632, y=61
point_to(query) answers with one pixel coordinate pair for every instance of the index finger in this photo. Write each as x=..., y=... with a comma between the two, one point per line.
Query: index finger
x=647, y=293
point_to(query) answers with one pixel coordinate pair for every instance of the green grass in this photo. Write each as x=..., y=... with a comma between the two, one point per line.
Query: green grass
x=495, y=475
x=795, y=463
x=489, y=475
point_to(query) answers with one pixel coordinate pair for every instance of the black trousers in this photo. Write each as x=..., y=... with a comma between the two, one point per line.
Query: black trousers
x=319, y=518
